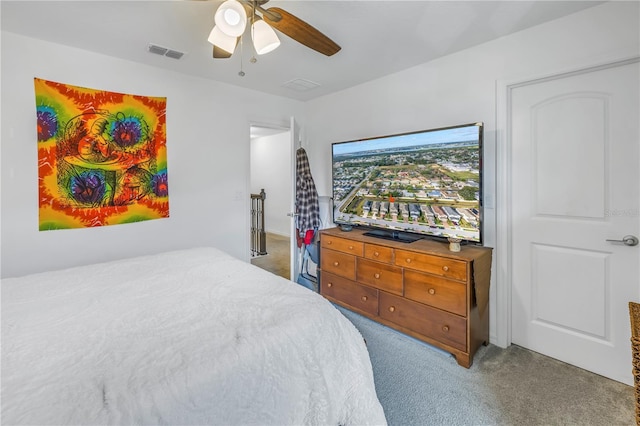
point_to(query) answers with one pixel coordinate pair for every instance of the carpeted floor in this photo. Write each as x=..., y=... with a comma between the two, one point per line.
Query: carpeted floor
x=420, y=385
x=277, y=258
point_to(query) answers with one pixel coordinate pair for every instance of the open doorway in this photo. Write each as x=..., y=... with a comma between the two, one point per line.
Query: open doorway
x=270, y=169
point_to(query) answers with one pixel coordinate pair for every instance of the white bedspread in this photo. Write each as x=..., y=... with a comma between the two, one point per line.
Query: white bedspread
x=186, y=337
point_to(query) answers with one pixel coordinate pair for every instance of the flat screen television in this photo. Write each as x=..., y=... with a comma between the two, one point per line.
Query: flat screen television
x=424, y=184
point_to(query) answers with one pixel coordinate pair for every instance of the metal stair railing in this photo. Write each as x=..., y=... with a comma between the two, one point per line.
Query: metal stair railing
x=258, y=234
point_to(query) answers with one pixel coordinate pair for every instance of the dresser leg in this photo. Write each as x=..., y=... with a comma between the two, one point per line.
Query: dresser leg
x=464, y=360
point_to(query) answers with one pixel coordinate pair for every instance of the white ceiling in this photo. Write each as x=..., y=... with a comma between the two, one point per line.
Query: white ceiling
x=377, y=37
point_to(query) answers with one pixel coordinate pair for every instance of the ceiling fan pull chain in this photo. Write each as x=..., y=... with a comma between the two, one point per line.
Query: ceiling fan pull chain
x=241, y=73
x=253, y=59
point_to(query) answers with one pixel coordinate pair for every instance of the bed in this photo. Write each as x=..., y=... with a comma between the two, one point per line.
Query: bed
x=185, y=337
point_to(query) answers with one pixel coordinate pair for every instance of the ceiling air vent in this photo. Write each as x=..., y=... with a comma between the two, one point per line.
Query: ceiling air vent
x=300, y=85
x=164, y=51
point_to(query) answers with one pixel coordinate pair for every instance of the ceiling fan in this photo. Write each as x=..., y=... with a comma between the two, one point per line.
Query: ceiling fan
x=233, y=16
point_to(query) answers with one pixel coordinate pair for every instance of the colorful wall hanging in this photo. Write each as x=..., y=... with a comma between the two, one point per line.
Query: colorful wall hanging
x=102, y=157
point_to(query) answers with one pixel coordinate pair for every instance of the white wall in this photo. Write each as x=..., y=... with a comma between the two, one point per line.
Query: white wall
x=461, y=88
x=271, y=170
x=208, y=130
x=207, y=154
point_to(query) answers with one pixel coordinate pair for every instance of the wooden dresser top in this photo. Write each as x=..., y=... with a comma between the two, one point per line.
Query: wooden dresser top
x=467, y=252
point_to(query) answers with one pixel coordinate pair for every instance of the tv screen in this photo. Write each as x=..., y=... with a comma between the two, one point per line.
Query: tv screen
x=418, y=184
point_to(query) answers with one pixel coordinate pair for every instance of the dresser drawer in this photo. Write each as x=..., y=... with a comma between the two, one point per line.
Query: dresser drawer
x=340, y=244
x=379, y=253
x=450, y=268
x=436, y=291
x=338, y=263
x=430, y=322
x=351, y=293
x=379, y=275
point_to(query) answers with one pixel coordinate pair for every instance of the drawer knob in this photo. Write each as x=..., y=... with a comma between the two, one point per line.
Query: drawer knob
x=350, y=247
x=432, y=291
x=329, y=242
x=329, y=284
x=445, y=268
x=376, y=254
x=392, y=308
x=445, y=328
x=408, y=260
x=376, y=275
x=336, y=263
x=364, y=298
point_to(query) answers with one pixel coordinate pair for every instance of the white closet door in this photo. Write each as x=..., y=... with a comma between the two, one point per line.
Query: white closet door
x=575, y=185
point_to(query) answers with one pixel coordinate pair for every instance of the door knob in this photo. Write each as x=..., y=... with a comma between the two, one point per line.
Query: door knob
x=628, y=240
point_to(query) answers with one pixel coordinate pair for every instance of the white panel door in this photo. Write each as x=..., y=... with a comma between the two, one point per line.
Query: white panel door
x=575, y=185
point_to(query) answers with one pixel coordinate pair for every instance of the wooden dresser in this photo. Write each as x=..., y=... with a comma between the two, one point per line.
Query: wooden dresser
x=421, y=289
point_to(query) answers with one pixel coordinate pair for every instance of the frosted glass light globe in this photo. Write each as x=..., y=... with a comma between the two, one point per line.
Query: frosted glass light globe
x=231, y=18
x=264, y=37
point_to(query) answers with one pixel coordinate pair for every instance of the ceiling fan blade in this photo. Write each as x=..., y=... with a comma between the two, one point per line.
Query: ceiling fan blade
x=300, y=31
x=219, y=53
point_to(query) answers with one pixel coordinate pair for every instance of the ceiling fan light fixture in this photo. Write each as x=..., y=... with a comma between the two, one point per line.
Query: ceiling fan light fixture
x=264, y=37
x=231, y=18
x=221, y=40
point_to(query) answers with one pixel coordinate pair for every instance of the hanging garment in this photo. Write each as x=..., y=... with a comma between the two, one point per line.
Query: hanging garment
x=307, y=207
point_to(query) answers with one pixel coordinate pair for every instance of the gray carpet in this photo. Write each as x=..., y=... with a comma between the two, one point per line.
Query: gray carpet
x=418, y=384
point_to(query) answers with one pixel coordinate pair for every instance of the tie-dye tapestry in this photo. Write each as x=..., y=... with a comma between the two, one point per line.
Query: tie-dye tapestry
x=102, y=157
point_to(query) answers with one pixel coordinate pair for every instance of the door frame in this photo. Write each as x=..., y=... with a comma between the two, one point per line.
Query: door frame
x=295, y=137
x=282, y=128
x=504, y=171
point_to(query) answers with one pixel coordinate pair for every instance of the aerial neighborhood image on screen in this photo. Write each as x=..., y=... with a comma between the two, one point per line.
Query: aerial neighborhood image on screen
x=427, y=182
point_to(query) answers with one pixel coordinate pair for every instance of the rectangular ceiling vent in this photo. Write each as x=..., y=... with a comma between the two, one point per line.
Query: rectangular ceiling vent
x=164, y=51
x=300, y=85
